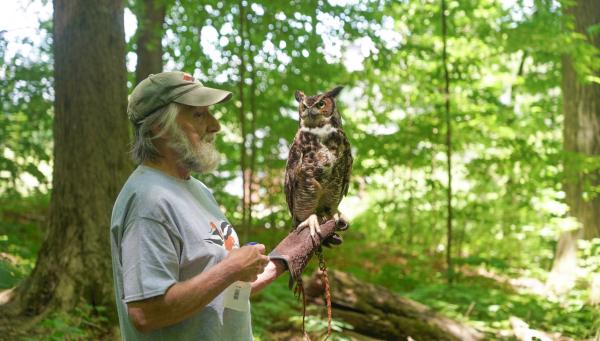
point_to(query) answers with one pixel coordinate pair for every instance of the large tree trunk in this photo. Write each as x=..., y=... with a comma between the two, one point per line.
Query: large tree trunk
x=90, y=164
x=151, y=17
x=581, y=108
x=376, y=312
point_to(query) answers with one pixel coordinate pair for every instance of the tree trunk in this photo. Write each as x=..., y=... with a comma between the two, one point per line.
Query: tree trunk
x=151, y=17
x=410, y=208
x=90, y=165
x=376, y=312
x=242, y=116
x=564, y=269
x=450, y=274
x=581, y=134
x=581, y=107
x=253, y=147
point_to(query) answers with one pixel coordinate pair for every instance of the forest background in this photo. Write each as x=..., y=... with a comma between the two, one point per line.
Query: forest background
x=475, y=131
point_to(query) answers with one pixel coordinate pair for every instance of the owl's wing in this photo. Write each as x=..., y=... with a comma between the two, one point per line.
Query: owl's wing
x=348, y=160
x=291, y=172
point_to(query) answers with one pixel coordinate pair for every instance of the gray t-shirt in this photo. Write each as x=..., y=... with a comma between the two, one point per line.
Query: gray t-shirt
x=166, y=230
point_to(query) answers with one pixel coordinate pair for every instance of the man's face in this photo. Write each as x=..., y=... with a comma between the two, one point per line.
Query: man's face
x=193, y=137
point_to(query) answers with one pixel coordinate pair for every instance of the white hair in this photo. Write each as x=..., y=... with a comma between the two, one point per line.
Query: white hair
x=143, y=148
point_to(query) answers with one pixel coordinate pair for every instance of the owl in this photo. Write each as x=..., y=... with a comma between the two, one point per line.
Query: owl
x=319, y=163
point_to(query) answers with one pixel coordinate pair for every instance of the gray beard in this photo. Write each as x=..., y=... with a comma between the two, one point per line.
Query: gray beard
x=203, y=158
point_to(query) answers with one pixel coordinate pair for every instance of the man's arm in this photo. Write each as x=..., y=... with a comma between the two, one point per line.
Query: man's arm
x=273, y=270
x=184, y=299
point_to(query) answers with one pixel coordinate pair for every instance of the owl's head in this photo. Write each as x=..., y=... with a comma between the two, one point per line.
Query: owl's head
x=319, y=110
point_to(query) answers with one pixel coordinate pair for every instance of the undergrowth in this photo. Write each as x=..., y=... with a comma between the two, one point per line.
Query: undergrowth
x=483, y=302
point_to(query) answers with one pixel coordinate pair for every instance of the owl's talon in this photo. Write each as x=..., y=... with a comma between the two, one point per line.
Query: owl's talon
x=313, y=223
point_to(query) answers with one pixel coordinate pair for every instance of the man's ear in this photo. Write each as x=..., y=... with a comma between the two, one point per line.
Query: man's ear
x=299, y=96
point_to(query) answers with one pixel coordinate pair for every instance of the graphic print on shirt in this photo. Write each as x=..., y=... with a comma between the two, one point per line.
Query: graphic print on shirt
x=224, y=235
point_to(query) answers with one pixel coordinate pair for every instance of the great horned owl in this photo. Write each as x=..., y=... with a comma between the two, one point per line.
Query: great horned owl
x=319, y=163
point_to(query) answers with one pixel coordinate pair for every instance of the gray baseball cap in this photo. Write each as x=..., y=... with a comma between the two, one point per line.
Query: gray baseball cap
x=163, y=88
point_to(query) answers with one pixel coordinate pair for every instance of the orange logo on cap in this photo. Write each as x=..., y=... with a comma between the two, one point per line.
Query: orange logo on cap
x=188, y=78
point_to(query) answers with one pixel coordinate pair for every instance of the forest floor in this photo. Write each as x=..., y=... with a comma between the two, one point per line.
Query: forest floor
x=482, y=296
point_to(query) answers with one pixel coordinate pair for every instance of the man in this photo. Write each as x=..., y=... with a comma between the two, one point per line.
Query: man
x=175, y=256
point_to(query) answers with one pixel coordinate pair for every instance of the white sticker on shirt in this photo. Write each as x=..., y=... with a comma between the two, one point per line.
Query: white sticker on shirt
x=237, y=296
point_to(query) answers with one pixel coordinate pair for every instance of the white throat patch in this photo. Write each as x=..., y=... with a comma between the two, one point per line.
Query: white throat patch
x=321, y=132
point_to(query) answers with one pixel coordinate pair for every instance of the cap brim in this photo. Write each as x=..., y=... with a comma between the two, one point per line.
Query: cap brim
x=203, y=96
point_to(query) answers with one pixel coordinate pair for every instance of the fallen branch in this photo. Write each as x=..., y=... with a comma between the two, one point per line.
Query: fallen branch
x=377, y=312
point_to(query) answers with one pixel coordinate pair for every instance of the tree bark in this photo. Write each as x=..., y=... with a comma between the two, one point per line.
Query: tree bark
x=581, y=107
x=151, y=17
x=90, y=165
x=253, y=147
x=581, y=134
x=376, y=312
x=449, y=212
x=246, y=184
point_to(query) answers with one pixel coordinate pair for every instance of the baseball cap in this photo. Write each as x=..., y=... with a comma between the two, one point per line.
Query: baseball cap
x=163, y=88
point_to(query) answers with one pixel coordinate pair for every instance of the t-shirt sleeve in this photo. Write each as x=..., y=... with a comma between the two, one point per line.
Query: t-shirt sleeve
x=150, y=259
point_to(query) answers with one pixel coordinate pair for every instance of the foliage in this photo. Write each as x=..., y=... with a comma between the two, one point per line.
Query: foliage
x=25, y=115
x=317, y=326
x=488, y=305
x=21, y=234
x=82, y=323
x=589, y=255
x=271, y=308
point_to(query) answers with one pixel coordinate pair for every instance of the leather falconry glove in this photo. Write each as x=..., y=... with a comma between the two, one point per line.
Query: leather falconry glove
x=297, y=248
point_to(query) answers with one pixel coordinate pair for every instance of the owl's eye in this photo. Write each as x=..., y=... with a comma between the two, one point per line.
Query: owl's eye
x=320, y=105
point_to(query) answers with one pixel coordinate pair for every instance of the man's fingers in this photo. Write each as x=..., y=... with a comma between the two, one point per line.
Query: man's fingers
x=261, y=265
x=261, y=248
x=262, y=262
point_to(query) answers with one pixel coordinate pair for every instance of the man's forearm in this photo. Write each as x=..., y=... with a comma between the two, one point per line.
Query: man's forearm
x=182, y=300
x=273, y=270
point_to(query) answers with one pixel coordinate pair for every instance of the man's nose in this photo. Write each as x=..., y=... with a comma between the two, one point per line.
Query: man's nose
x=213, y=125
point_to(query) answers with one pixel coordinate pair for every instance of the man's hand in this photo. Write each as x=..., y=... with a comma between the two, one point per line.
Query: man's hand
x=183, y=299
x=248, y=262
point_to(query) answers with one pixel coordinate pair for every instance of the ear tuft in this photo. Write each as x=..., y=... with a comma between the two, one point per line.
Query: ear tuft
x=299, y=96
x=334, y=92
